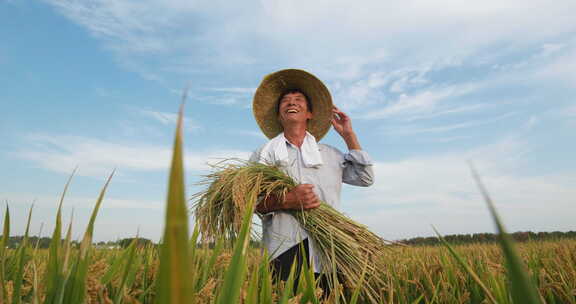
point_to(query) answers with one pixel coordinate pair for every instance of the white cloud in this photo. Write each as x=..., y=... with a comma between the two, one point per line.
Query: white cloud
x=342, y=38
x=257, y=134
x=551, y=48
x=441, y=111
x=97, y=157
x=235, y=90
x=420, y=103
x=169, y=119
x=561, y=69
x=411, y=194
x=445, y=139
x=412, y=129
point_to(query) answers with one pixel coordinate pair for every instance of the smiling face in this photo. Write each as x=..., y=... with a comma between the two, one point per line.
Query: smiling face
x=293, y=108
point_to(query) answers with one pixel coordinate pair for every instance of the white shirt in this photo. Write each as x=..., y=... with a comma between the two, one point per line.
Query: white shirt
x=280, y=229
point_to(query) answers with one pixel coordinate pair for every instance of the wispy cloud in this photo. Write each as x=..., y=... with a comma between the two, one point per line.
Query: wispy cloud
x=257, y=134
x=421, y=102
x=169, y=119
x=561, y=69
x=235, y=90
x=262, y=35
x=448, y=110
x=97, y=157
x=411, y=129
x=446, y=139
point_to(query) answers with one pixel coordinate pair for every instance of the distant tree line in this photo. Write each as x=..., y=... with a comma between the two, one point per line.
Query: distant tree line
x=521, y=236
x=44, y=242
x=33, y=241
x=252, y=244
x=141, y=242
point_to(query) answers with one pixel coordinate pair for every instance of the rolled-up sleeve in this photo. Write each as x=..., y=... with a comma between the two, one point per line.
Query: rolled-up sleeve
x=357, y=168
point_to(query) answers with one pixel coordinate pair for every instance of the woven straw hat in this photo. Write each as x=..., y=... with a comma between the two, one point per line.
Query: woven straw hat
x=267, y=94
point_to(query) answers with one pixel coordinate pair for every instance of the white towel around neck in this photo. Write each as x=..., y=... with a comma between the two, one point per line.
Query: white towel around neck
x=276, y=152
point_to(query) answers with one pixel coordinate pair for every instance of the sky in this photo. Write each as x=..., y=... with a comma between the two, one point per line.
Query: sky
x=429, y=85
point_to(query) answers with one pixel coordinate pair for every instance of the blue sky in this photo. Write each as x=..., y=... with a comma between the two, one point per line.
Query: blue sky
x=429, y=85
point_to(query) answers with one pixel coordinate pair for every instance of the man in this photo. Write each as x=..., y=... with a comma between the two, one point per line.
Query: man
x=294, y=109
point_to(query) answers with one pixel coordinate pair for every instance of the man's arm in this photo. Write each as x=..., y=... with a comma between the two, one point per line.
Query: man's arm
x=358, y=170
x=302, y=197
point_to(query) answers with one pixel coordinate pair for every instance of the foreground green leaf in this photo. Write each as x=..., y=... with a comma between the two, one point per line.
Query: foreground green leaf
x=54, y=277
x=522, y=289
x=174, y=286
x=75, y=289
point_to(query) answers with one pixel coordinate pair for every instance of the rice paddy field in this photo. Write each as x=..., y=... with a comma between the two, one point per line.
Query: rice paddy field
x=180, y=271
x=414, y=275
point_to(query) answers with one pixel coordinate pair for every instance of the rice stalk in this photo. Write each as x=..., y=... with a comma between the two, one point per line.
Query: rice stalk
x=219, y=210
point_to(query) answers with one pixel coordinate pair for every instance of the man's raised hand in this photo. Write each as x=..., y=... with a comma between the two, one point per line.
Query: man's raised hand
x=341, y=122
x=343, y=125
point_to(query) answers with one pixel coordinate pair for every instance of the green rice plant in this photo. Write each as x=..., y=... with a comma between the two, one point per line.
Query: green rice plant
x=289, y=286
x=235, y=274
x=75, y=288
x=468, y=269
x=131, y=250
x=67, y=248
x=174, y=287
x=309, y=289
x=266, y=284
x=21, y=255
x=54, y=276
x=252, y=293
x=220, y=208
x=206, y=269
x=147, y=281
x=522, y=289
x=4, y=243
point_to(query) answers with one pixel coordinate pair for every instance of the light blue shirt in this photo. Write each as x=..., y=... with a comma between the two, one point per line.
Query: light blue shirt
x=280, y=230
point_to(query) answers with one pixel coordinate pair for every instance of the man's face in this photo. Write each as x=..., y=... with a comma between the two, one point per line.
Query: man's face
x=293, y=107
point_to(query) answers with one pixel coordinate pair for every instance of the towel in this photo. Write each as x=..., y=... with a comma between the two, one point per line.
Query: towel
x=276, y=152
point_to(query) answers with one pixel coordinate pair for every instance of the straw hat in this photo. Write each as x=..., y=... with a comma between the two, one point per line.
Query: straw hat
x=267, y=94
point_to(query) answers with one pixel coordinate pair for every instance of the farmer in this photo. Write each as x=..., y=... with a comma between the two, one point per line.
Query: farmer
x=294, y=110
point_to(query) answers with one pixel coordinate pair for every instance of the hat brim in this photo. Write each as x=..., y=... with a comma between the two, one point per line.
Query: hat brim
x=266, y=96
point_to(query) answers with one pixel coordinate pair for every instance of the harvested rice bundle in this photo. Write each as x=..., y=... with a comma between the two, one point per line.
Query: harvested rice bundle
x=344, y=244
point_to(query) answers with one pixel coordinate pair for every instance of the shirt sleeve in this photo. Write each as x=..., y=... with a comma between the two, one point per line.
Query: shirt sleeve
x=255, y=157
x=357, y=168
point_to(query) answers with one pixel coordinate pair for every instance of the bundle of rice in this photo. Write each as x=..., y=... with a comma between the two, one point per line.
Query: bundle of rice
x=343, y=243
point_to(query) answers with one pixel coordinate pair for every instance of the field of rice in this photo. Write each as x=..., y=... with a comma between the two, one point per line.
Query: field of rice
x=414, y=275
x=180, y=271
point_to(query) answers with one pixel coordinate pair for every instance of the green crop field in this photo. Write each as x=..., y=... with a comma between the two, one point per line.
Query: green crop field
x=179, y=271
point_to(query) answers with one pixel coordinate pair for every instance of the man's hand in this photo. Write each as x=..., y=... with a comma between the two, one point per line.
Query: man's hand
x=343, y=125
x=301, y=197
x=341, y=122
